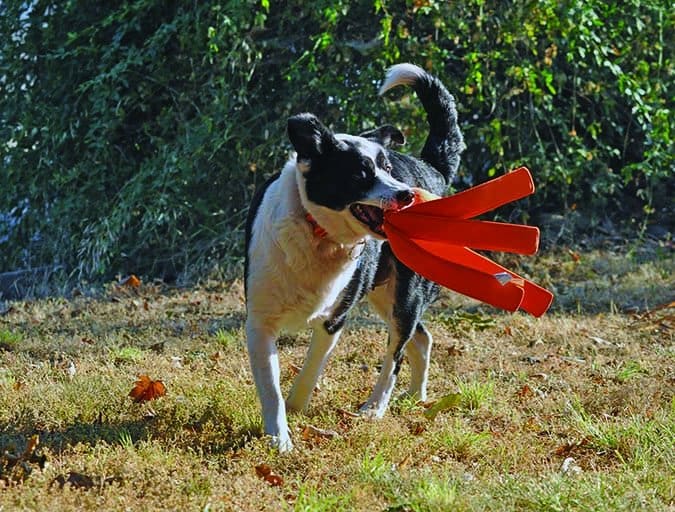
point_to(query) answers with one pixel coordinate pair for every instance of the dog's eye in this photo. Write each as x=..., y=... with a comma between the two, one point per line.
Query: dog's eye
x=383, y=163
x=367, y=170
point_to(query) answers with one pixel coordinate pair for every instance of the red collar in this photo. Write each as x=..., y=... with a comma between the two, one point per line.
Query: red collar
x=318, y=231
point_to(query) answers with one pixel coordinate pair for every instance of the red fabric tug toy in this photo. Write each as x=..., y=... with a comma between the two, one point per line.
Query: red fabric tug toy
x=434, y=237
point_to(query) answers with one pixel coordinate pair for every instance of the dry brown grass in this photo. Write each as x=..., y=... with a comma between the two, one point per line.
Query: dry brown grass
x=589, y=382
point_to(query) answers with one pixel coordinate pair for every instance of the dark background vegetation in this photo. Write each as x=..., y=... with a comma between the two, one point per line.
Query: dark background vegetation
x=133, y=134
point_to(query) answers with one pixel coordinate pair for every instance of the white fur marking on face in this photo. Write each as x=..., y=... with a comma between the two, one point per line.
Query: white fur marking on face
x=365, y=146
x=383, y=194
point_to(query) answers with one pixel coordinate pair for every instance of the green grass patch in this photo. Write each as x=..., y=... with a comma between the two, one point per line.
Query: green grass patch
x=9, y=340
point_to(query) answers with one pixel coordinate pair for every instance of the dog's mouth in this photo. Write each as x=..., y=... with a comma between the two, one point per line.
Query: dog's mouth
x=371, y=216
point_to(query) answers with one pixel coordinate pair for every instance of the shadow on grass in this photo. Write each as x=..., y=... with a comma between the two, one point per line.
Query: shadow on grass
x=124, y=433
x=77, y=433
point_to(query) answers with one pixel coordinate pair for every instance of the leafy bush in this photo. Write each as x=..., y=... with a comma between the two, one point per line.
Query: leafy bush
x=133, y=135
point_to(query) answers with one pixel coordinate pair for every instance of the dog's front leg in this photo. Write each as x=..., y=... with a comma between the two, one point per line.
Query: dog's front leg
x=320, y=348
x=262, y=352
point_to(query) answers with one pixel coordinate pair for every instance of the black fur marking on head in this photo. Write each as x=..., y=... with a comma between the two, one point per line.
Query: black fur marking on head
x=310, y=137
x=340, y=177
x=337, y=172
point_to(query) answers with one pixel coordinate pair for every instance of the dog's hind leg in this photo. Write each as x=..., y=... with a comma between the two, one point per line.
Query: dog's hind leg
x=320, y=349
x=418, y=354
x=262, y=351
x=378, y=402
x=416, y=342
x=401, y=302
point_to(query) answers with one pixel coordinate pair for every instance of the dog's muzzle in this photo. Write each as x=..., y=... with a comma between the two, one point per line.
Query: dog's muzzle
x=373, y=216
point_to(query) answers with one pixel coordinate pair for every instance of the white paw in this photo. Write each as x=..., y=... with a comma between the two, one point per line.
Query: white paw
x=372, y=411
x=281, y=443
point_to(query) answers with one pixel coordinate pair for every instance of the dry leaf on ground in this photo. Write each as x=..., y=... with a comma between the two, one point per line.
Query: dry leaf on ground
x=312, y=433
x=131, y=281
x=147, y=389
x=265, y=472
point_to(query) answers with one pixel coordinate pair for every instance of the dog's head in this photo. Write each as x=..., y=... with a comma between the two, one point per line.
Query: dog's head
x=345, y=181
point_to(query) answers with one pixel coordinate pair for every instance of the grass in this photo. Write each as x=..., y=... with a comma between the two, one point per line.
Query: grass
x=589, y=386
x=9, y=340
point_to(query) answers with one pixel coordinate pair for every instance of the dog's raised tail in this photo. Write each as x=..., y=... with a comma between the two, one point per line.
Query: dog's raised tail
x=445, y=142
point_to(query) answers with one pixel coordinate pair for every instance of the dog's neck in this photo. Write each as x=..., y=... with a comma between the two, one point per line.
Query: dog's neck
x=318, y=231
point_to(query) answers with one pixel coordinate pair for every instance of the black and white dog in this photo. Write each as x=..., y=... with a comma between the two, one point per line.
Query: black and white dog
x=315, y=247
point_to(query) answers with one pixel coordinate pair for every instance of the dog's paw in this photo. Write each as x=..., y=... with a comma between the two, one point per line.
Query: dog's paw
x=281, y=443
x=372, y=411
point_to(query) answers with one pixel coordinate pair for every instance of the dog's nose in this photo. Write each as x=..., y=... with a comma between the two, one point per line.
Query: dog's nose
x=404, y=197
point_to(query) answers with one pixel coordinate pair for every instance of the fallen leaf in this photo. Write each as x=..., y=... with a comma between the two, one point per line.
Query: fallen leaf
x=262, y=470
x=446, y=403
x=216, y=356
x=147, y=389
x=274, y=480
x=404, y=462
x=132, y=281
x=525, y=392
x=667, y=305
x=265, y=472
x=418, y=429
x=576, y=257
x=310, y=432
x=508, y=331
x=33, y=443
x=454, y=351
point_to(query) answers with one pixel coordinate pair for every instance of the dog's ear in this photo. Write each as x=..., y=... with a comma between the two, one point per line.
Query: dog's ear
x=309, y=136
x=387, y=135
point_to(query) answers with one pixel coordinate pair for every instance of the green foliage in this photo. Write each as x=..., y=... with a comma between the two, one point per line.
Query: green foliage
x=133, y=134
x=9, y=339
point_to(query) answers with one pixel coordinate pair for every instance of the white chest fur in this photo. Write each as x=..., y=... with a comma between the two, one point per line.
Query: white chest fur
x=295, y=278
